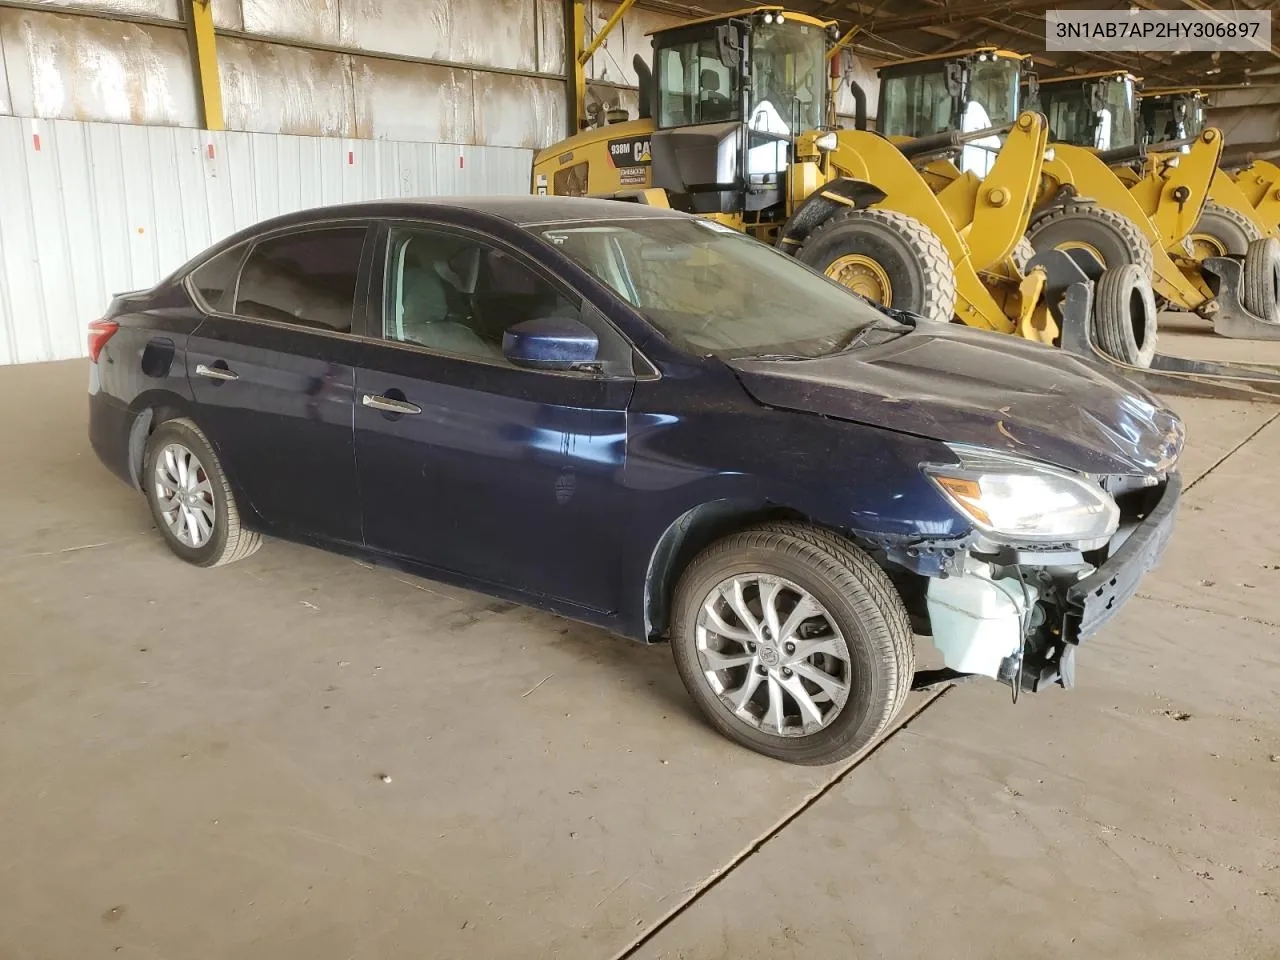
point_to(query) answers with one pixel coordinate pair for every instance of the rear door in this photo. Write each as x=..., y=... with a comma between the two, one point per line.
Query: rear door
x=500, y=473
x=272, y=369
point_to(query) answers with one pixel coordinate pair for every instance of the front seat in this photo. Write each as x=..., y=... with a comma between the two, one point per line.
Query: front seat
x=434, y=294
x=715, y=106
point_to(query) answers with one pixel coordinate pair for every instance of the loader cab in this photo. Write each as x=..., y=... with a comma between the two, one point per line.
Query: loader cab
x=731, y=94
x=1097, y=110
x=1172, y=115
x=968, y=92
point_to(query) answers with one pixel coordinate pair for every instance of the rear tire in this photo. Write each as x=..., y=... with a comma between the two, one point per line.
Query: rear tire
x=858, y=615
x=1113, y=237
x=1124, y=316
x=190, y=498
x=888, y=257
x=1261, y=293
x=1221, y=231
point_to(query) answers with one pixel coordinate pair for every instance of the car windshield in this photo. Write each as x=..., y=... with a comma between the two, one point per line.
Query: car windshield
x=711, y=290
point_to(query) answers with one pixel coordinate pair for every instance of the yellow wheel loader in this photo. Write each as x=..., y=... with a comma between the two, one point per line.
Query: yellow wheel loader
x=737, y=124
x=1177, y=113
x=1208, y=253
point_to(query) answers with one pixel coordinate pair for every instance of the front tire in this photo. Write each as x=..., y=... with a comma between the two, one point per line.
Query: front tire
x=792, y=642
x=1112, y=237
x=190, y=498
x=887, y=257
x=1221, y=232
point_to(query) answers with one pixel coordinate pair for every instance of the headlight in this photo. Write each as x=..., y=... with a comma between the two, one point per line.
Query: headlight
x=1018, y=501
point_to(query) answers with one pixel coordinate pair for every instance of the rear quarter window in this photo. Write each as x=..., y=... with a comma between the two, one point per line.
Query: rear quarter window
x=215, y=279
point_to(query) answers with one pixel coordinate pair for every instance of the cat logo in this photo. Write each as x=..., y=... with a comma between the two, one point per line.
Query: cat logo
x=630, y=152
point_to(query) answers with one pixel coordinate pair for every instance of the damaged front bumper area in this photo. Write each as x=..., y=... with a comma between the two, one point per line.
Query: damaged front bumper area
x=1018, y=615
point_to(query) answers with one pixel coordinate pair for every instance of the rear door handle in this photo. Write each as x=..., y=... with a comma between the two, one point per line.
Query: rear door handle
x=389, y=404
x=216, y=373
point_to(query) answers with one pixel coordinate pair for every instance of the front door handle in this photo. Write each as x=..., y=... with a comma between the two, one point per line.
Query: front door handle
x=216, y=373
x=389, y=404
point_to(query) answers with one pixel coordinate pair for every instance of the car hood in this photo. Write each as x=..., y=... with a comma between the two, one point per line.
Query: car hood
x=960, y=385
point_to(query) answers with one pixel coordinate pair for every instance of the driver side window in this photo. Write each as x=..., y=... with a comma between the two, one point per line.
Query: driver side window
x=457, y=295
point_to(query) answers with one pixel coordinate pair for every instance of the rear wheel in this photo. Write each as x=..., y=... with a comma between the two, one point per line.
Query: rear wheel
x=1261, y=293
x=190, y=498
x=887, y=257
x=793, y=642
x=1124, y=316
x=1222, y=232
x=1111, y=237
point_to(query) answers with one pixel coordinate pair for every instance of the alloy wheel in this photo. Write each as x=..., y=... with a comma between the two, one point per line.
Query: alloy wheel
x=184, y=495
x=773, y=655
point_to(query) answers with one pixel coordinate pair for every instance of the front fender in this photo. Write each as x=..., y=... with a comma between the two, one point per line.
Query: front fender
x=822, y=204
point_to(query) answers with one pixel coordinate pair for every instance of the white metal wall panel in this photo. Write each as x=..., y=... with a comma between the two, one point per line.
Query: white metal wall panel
x=493, y=33
x=550, y=16
x=309, y=20
x=163, y=9
x=413, y=101
x=227, y=15
x=276, y=89
x=630, y=37
x=100, y=208
x=70, y=67
x=518, y=111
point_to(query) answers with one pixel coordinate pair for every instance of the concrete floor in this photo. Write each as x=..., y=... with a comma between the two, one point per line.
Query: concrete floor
x=191, y=761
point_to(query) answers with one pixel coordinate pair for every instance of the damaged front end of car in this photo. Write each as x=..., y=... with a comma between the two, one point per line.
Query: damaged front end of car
x=1053, y=555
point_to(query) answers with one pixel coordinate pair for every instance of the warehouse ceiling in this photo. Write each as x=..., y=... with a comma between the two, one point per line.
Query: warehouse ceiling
x=901, y=29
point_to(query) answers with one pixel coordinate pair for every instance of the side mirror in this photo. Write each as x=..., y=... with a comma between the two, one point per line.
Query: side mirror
x=551, y=343
x=727, y=45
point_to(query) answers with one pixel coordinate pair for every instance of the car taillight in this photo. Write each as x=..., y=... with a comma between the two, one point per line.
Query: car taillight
x=100, y=331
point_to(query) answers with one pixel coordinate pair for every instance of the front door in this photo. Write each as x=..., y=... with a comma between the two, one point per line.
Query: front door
x=273, y=378
x=474, y=465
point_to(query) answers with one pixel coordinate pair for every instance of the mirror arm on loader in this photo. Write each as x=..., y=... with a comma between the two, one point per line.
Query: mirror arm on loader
x=1168, y=146
x=1118, y=155
x=948, y=140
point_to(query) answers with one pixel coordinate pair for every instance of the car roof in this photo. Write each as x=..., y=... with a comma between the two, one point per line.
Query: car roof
x=520, y=210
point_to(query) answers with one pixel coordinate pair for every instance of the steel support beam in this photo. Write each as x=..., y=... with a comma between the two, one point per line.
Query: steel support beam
x=204, y=49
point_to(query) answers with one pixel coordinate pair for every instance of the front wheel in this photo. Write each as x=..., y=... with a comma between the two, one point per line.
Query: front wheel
x=793, y=642
x=888, y=257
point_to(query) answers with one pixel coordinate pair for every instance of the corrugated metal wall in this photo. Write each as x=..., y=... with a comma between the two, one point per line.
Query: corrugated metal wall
x=91, y=209
x=433, y=70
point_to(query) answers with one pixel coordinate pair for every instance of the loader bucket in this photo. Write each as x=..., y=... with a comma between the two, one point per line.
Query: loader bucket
x=1070, y=278
x=1233, y=318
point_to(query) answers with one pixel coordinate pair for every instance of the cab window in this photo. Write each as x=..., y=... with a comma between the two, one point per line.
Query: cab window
x=694, y=86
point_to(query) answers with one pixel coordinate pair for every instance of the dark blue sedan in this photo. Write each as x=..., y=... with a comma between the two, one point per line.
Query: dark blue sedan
x=648, y=422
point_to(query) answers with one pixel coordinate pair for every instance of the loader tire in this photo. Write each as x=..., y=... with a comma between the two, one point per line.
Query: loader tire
x=888, y=257
x=1124, y=315
x=1222, y=232
x=1261, y=293
x=1112, y=237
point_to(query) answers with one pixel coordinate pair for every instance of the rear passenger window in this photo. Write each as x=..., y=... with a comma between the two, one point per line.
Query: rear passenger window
x=308, y=279
x=215, y=279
